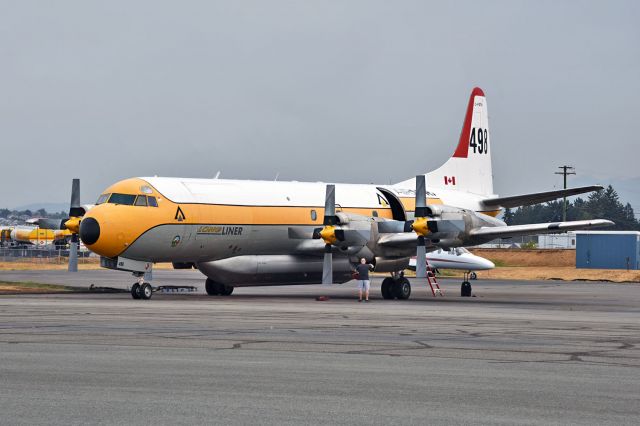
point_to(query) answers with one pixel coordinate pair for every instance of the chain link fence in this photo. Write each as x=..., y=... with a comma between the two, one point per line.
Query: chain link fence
x=51, y=255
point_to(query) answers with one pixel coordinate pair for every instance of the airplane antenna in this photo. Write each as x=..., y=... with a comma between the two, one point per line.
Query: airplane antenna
x=217, y=175
x=277, y=175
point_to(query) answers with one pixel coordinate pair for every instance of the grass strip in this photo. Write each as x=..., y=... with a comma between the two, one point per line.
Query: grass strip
x=31, y=287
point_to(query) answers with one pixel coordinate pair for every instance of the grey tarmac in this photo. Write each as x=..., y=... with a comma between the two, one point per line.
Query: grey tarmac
x=517, y=353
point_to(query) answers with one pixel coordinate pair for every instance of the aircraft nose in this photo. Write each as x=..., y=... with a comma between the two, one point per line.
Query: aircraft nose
x=89, y=231
x=487, y=264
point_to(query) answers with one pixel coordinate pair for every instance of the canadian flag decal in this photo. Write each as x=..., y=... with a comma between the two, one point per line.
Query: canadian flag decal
x=449, y=180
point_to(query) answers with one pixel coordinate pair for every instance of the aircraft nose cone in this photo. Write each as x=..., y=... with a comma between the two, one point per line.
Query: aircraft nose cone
x=89, y=231
x=488, y=264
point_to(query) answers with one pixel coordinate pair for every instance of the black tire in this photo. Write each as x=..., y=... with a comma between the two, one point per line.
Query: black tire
x=212, y=287
x=146, y=291
x=183, y=265
x=465, y=289
x=135, y=291
x=473, y=276
x=402, y=289
x=387, y=288
x=226, y=290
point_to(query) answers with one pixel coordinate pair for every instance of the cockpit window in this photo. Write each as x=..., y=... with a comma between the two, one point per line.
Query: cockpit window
x=141, y=201
x=152, y=201
x=102, y=199
x=124, y=199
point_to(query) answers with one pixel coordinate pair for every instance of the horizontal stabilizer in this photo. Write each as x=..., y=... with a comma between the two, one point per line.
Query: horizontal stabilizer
x=538, y=228
x=538, y=197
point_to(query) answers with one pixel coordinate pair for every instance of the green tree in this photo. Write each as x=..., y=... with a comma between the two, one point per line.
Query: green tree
x=604, y=204
x=507, y=216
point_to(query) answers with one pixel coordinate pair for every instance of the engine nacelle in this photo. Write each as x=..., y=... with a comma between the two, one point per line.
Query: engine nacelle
x=444, y=211
x=391, y=264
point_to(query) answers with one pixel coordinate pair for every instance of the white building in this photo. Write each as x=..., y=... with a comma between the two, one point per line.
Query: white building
x=557, y=241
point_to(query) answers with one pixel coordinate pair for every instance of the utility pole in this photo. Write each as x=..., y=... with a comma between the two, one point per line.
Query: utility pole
x=566, y=170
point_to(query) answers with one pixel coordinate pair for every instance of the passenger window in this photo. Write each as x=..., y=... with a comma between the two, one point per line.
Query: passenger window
x=102, y=199
x=314, y=215
x=374, y=213
x=141, y=201
x=125, y=199
x=152, y=201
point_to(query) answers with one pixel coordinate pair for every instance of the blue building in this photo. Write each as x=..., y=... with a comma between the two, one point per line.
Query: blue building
x=608, y=249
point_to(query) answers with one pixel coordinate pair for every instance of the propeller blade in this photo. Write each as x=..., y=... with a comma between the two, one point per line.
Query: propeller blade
x=330, y=206
x=408, y=226
x=44, y=223
x=73, y=253
x=421, y=259
x=75, y=209
x=327, y=266
x=421, y=196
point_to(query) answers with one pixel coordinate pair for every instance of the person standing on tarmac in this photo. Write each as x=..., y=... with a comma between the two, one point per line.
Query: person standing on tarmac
x=363, y=279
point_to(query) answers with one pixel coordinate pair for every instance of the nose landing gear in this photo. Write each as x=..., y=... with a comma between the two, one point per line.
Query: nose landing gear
x=141, y=290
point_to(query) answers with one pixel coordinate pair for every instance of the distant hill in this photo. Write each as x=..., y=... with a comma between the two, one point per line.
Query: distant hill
x=49, y=207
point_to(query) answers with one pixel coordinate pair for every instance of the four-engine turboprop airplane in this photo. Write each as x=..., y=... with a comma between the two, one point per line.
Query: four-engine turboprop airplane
x=249, y=233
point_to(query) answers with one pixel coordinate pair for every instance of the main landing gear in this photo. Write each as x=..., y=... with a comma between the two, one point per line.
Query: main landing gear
x=217, y=289
x=396, y=288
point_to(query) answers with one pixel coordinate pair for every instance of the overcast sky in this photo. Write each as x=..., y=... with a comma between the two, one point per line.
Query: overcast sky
x=345, y=91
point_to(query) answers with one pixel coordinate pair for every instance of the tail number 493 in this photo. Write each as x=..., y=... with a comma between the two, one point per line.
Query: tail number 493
x=481, y=145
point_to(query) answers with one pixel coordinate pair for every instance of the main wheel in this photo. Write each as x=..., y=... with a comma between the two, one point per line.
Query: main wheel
x=402, y=289
x=473, y=276
x=465, y=289
x=135, y=291
x=226, y=290
x=146, y=291
x=387, y=288
x=212, y=287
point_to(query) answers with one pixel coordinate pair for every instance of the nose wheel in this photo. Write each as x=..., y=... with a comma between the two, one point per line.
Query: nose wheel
x=142, y=291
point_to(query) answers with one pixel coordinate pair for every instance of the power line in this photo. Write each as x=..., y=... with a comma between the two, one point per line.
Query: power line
x=566, y=170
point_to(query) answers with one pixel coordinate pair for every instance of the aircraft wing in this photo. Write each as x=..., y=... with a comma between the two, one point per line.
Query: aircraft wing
x=537, y=197
x=537, y=228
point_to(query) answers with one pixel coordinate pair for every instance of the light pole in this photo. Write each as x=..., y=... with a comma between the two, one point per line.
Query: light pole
x=566, y=170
